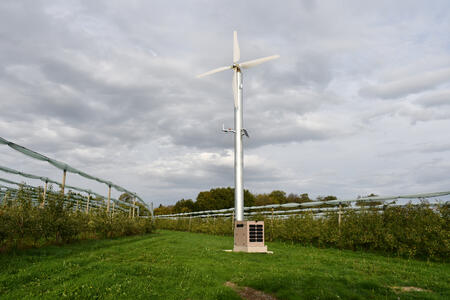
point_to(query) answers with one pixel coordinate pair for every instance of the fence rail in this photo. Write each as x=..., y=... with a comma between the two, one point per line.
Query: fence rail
x=305, y=206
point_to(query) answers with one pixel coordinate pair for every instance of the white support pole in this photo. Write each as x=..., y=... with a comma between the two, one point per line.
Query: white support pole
x=63, y=181
x=109, y=198
x=45, y=194
x=114, y=206
x=238, y=153
x=87, y=203
x=271, y=226
x=134, y=203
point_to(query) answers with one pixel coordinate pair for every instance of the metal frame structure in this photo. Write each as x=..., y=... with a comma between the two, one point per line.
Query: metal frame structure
x=79, y=199
x=66, y=168
x=306, y=207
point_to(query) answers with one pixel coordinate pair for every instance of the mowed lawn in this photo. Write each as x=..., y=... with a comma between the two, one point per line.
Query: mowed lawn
x=180, y=265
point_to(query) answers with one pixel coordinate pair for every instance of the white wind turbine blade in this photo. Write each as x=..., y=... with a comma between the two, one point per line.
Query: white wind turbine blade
x=215, y=71
x=235, y=91
x=236, y=50
x=252, y=63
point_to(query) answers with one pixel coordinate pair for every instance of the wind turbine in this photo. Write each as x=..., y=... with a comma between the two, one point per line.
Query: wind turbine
x=239, y=131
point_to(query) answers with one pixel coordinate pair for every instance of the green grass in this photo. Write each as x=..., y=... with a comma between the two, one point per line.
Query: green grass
x=181, y=265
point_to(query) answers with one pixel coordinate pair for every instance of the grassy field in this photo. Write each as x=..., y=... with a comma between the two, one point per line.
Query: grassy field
x=181, y=265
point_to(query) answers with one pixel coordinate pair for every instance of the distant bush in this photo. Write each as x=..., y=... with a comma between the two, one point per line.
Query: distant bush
x=408, y=231
x=23, y=224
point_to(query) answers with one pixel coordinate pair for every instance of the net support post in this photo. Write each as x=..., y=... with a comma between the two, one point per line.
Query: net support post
x=63, y=184
x=109, y=198
x=45, y=194
x=87, y=203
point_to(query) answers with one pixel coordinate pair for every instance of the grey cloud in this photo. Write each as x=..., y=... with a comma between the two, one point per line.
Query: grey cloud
x=411, y=85
x=435, y=148
x=206, y=170
x=431, y=172
x=434, y=99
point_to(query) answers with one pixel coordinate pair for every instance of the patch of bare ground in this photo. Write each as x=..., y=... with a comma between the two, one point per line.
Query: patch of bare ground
x=402, y=289
x=248, y=293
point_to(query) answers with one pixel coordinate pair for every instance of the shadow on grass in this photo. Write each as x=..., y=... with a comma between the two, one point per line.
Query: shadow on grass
x=77, y=247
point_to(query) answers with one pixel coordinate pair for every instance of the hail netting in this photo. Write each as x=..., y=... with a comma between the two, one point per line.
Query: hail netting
x=65, y=167
x=307, y=206
x=45, y=179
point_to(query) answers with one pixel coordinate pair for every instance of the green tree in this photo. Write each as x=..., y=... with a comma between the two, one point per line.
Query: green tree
x=278, y=197
x=220, y=198
x=304, y=198
x=183, y=206
x=326, y=198
x=163, y=210
x=366, y=203
x=249, y=198
x=262, y=199
x=204, y=201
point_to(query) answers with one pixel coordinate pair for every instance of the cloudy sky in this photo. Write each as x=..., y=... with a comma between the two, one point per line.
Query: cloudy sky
x=358, y=103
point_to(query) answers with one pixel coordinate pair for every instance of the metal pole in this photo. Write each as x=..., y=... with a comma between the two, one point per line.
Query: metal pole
x=109, y=198
x=63, y=181
x=45, y=194
x=238, y=153
x=87, y=203
x=271, y=227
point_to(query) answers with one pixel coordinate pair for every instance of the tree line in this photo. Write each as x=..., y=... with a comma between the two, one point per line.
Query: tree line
x=223, y=197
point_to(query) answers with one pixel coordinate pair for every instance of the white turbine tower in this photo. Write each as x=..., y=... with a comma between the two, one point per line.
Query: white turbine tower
x=238, y=120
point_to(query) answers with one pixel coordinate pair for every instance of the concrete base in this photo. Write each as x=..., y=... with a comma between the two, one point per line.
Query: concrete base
x=267, y=252
x=251, y=249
